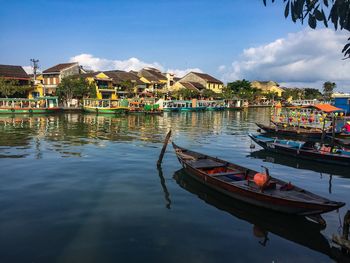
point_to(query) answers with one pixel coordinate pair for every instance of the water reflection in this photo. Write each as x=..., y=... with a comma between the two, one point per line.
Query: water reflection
x=293, y=228
x=164, y=187
x=60, y=132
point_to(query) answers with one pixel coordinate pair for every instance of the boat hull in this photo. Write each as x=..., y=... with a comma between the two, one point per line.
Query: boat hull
x=313, y=155
x=97, y=110
x=29, y=110
x=301, y=133
x=243, y=193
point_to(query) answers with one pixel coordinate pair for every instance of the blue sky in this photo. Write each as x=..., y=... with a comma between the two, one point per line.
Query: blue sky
x=180, y=34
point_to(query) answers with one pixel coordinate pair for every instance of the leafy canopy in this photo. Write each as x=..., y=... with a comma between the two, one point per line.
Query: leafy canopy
x=244, y=90
x=336, y=12
x=10, y=88
x=328, y=88
x=75, y=87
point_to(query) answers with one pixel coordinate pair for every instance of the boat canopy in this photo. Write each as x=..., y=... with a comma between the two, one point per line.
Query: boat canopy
x=328, y=108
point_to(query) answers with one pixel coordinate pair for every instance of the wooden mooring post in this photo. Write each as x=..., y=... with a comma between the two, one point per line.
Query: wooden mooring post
x=167, y=138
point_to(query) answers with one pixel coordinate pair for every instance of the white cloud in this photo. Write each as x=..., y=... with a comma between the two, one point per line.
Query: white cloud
x=89, y=61
x=182, y=72
x=308, y=58
x=94, y=63
x=28, y=69
x=222, y=68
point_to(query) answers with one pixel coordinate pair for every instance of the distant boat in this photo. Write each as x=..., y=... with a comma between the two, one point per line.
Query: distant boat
x=304, y=150
x=242, y=183
x=299, y=132
x=105, y=106
x=39, y=105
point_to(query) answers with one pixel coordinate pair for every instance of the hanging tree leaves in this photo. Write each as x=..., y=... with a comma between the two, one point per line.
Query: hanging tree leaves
x=336, y=12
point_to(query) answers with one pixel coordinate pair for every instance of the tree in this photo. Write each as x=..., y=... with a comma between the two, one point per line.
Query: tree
x=10, y=88
x=336, y=12
x=243, y=90
x=128, y=86
x=185, y=94
x=271, y=95
x=293, y=93
x=207, y=93
x=311, y=94
x=328, y=88
x=75, y=87
x=239, y=85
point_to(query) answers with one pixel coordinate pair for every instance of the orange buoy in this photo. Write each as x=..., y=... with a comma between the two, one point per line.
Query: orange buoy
x=260, y=179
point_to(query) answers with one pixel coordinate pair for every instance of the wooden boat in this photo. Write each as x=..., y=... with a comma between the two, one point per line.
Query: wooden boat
x=299, y=132
x=40, y=105
x=325, y=169
x=105, y=106
x=306, y=150
x=238, y=182
x=215, y=105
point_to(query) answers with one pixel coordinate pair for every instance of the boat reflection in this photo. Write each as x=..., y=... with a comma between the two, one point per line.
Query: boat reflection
x=300, y=164
x=294, y=228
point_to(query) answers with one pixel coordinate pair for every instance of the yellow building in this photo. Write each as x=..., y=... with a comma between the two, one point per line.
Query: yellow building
x=154, y=79
x=202, y=79
x=38, y=88
x=103, y=83
x=268, y=86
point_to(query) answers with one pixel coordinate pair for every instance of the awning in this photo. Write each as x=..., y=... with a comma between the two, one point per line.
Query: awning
x=327, y=108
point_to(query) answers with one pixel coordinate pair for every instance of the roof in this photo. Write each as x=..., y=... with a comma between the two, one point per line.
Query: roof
x=13, y=72
x=59, y=67
x=193, y=86
x=207, y=77
x=326, y=108
x=89, y=74
x=152, y=74
x=119, y=76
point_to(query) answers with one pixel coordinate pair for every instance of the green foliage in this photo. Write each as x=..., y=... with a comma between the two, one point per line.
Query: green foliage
x=9, y=88
x=207, y=93
x=328, y=88
x=294, y=93
x=185, y=94
x=128, y=87
x=336, y=12
x=243, y=90
x=75, y=87
x=301, y=94
x=227, y=93
x=271, y=95
x=310, y=93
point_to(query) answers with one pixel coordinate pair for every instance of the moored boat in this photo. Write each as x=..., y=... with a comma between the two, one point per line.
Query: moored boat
x=39, y=105
x=305, y=150
x=105, y=106
x=215, y=105
x=242, y=183
x=299, y=132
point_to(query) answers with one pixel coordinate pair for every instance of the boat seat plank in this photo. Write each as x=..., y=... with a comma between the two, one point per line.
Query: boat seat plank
x=227, y=173
x=205, y=163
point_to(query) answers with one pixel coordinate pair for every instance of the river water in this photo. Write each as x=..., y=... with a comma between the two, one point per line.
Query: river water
x=85, y=188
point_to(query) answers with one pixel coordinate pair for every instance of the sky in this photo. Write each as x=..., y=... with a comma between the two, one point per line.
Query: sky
x=229, y=39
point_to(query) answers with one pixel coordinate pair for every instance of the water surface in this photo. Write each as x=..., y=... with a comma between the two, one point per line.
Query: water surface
x=85, y=188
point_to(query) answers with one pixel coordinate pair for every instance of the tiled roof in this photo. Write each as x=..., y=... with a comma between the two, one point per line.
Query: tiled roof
x=13, y=72
x=59, y=67
x=193, y=86
x=152, y=74
x=119, y=76
x=207, y=77
x=89, y=74
x=197, y=85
